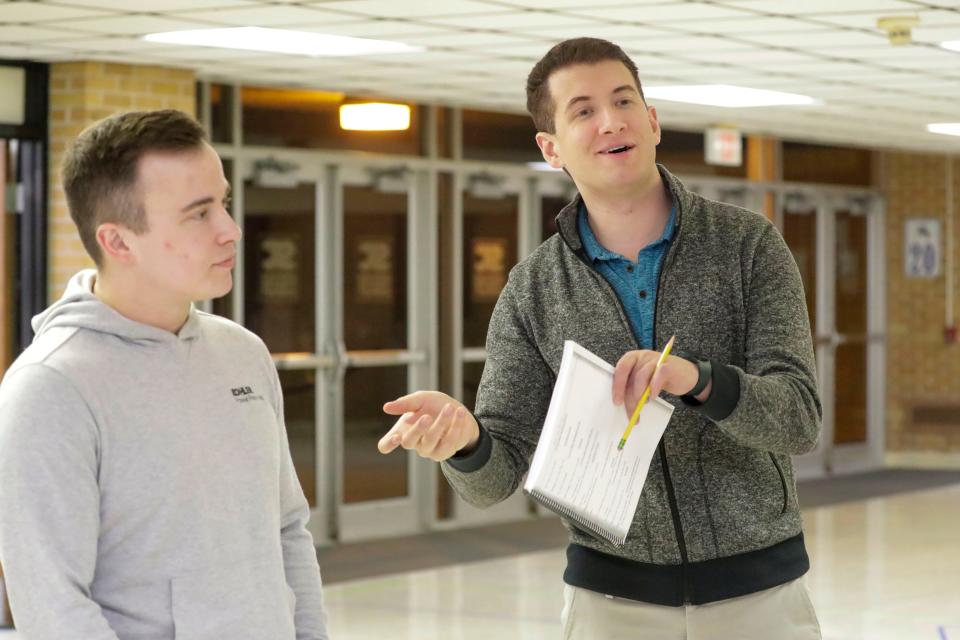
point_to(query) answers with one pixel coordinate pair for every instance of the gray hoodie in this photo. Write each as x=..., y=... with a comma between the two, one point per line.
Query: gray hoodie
x=146, y=483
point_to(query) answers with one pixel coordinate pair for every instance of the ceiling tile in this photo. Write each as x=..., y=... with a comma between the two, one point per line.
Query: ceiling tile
x=688, y=43
x=480, y=51
x=156, y=5
x=30, y=52
x=816, y=38
x=663, y=14
x=123, y=43
x=747, y=26
x=467, y=40
x=420, y=8
x=820, y=6
x=375, y=28
x=608, y=31
x=265, y=16
x=31, y=12
x=766, y=56
x=131, y=25
x=513, y=20
x=11, y=33
x=868, y=20
x=573, y=5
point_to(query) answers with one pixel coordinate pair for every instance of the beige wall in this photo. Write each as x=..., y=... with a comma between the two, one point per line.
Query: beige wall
x=80, y=94
x=922, y=370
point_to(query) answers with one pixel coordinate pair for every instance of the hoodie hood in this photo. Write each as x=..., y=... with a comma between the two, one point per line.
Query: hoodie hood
x=79, y=308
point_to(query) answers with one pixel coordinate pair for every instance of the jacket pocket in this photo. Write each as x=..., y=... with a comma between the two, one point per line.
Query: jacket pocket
x=245, y=601
x=783, y=482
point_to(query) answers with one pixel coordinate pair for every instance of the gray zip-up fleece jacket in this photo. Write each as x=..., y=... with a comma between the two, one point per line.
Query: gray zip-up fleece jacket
x=146, y=485
x=718, y=516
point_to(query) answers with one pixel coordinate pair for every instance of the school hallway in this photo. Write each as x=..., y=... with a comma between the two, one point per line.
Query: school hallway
x=876, y=574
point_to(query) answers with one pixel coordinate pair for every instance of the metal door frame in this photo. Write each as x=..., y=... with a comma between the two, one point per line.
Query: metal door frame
x=828, y=458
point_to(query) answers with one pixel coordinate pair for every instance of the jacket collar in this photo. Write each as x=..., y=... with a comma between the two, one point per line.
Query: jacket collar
x=567, y=218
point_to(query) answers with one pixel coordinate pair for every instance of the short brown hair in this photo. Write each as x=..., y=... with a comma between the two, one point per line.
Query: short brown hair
x=568, y=53
x=100, y=169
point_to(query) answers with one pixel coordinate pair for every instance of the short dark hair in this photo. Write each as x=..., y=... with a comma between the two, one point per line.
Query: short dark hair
x=565, y=54
x=100, y=169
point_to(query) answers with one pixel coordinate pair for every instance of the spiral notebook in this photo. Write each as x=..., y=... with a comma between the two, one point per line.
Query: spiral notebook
x=577, y=471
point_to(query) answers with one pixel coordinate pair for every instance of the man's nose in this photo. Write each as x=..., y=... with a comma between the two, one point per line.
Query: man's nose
x=612, y=121
x=230, y=230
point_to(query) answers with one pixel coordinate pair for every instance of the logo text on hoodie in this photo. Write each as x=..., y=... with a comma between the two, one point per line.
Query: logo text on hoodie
x=245, y=394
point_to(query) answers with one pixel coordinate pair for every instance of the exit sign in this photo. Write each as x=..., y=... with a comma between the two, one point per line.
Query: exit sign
x=724, y=147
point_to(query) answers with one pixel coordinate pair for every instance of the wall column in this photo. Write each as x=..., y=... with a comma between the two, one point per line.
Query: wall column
x=80, y=94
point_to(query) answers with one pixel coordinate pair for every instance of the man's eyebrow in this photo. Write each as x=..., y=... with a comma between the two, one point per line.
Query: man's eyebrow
x=578, y=99
x=574, y=101
x=199, y=202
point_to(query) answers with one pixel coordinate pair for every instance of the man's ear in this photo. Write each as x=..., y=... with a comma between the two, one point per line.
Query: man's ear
x=549, y=148
x=654, y=122
x=112, y=239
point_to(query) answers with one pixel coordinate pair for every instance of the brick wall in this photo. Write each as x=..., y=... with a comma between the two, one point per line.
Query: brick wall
x=80, y=94
x=922, y=369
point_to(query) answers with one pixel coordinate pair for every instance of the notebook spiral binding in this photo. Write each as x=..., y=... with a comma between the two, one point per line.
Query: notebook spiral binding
x=582, y=522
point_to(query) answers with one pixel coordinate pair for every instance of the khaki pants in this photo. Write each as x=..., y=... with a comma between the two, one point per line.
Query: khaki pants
x=781, y=613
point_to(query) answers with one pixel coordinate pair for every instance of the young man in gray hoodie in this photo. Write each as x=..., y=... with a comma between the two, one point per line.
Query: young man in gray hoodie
x=716, y=547
x=146, y=483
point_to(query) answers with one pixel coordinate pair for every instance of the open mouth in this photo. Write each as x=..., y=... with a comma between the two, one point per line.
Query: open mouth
x=615, y=150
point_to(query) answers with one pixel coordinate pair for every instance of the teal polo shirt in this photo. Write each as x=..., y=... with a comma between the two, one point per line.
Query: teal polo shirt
x=635, y=283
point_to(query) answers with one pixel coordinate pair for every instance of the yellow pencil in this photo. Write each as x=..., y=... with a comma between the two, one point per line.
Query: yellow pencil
x=646, y=394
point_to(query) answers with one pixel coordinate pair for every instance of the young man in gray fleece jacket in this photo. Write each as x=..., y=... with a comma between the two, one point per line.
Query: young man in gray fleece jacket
x=146, y=486
x=716, y=548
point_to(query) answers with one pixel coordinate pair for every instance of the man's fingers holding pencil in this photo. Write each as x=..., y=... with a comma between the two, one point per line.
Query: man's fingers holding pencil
x=631, y=375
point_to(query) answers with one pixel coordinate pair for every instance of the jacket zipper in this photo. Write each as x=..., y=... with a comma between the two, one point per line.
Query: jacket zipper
x=783, y=481
x=668, y=483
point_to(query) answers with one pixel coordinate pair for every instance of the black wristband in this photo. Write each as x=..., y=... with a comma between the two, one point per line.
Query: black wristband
x=704, y=370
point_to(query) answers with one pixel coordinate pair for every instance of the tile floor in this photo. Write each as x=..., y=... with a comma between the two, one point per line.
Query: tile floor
x=883, y=569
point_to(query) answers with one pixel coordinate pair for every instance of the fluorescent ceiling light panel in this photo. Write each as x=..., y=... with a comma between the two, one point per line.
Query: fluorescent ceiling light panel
x=946, y=128
x=375, y=116
x=281, y=41
x=953, y=45
x=725, y=95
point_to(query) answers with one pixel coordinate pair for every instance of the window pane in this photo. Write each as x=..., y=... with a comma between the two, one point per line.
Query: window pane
x=221, y=112
x=851, y=277
x=299, y=410
x=800, y=234
x=279, y=241
x=375, y=273
x=368, y=474
x=850, y=391
x=489, y=251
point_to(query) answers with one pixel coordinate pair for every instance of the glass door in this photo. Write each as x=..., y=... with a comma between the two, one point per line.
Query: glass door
x=384, y=340
x=276, y=296
x=488, y=227
x=336, y=279
x=856, y=431
x=836, y=241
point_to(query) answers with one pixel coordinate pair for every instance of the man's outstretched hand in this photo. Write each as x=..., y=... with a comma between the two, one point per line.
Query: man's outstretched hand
x=432, y=423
